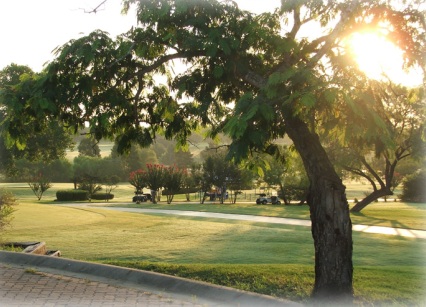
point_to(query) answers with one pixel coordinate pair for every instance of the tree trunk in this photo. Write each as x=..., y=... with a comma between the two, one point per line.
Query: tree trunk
x=370, y=198
x=154, y=196
x=331, y=224
x=203, y=198
x=282, y=190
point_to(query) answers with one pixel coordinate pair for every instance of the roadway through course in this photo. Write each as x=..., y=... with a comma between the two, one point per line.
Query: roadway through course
x=411, y=233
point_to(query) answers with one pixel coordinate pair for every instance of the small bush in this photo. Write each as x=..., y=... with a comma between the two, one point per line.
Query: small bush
x=7, y=201
x=72, y=195
x=102, y=196
x=414, y=187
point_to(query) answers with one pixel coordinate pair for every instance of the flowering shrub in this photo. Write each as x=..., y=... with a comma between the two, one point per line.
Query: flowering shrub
x=156, y=177
x=137, y=179
x=173, y=181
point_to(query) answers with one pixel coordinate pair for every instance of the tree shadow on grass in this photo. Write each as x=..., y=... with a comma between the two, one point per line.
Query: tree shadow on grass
x=385, y=226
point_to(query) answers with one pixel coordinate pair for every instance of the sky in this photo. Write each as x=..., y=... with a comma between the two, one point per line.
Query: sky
x=31, y=29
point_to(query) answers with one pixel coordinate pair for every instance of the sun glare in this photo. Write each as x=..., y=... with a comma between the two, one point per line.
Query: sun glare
x=378, y=58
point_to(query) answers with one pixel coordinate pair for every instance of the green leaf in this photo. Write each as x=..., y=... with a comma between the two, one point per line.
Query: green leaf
x=308, y=100
x=280, y=77
x=211, y=50
x=20, y=144
x=330, y=95
x=252, y=110
x=235, y=127
x=271, y=93
x=218, y=72
x=267, y=112
x=225, y=46
x=244, y=102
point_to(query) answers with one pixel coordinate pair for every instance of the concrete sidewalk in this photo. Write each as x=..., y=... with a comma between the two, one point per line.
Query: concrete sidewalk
x=34, y=280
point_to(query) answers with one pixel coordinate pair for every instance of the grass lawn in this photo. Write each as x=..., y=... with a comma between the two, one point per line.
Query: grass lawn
x=266, y=258
x=389, y=214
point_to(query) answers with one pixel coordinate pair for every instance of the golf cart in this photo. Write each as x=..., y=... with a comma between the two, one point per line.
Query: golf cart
x=263, y=200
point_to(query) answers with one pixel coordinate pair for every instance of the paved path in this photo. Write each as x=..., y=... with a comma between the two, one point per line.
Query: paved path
x=21, y=286
x=34, y=280
x=411, y=233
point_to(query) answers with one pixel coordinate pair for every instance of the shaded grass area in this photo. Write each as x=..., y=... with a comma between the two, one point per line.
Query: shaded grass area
x=265, y=258
x=383, y=286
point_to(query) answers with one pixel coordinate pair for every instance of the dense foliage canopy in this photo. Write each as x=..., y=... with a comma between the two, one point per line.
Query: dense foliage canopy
x=254, y=77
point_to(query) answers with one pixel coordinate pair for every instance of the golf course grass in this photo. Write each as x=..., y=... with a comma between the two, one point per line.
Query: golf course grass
x=266, y=258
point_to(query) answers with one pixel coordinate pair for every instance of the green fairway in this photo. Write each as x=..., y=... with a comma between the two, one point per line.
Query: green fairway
x=266, y=258
x=389, y=214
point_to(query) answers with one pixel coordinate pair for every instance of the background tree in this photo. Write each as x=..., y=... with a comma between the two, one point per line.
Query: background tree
x=39, y=184
x=168, y=153
x=216, y=170
x=376, y=158
x=89, y=147
x=136, y=158
x=155, y=179
x=173, y=181
x=414, y=187
x=246, y=75
x=87, y=174
x=24, y=132
x=110, y=183
x=190, y=182
x=238, y=179
x=201, y=182
x=59, y=170
x=138, y=180
x=288, y=175
x=91, y=184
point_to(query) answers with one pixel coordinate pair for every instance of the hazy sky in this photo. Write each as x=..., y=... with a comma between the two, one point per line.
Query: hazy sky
x=31, y=29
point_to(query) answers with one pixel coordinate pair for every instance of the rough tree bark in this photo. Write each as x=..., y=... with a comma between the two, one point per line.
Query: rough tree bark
x=329, y=210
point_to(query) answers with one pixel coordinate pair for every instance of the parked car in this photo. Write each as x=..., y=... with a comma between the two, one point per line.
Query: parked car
x=263, y=200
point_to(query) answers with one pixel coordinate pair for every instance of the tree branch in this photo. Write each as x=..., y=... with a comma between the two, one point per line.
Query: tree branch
x=95, y=10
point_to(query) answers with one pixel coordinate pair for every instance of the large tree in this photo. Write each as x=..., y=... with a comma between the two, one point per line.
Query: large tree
x=256, y=77
x=374, y=157
x=22, y=134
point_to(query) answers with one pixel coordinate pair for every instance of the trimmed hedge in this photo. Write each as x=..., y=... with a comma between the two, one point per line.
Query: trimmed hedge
x=102, y=196
x=72, y=195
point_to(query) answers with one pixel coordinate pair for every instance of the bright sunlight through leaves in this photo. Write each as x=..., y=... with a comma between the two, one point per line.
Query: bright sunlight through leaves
x=379, y=58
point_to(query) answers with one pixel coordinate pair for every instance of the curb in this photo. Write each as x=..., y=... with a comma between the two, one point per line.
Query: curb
x=176, y=287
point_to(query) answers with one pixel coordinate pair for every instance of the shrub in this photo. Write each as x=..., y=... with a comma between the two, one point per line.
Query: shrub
x=414, y=187
x=7, y=201
x=102, y=196
x=72, y=195
x=39, y=184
